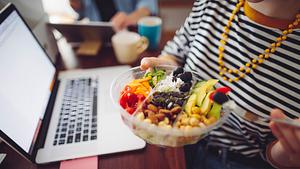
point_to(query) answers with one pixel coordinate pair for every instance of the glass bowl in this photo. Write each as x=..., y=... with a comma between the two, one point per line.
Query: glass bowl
x=153, y=134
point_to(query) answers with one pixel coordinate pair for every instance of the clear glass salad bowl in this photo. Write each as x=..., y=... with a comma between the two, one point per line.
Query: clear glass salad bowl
x=153, y=134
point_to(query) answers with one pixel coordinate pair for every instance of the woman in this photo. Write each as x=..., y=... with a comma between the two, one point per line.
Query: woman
x=122, y=13
x=253, y=47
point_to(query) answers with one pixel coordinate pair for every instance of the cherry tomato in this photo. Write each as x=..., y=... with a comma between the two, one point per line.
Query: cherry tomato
x=211, y=96
x=122, y=100
x=224, y=90
x=141, y=97
x=127, y=89
x=130, y=110
x=129, y=101
x=132, y=99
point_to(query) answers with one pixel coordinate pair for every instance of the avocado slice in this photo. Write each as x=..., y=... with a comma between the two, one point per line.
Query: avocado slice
x=199, y=84
x=190, y=104
x=206, y=105
x=215, y=111
x=203, y=89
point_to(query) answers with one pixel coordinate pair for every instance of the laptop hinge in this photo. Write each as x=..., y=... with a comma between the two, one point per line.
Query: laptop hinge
x=46, y=121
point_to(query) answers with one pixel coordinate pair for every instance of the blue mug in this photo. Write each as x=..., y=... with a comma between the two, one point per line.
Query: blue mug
x=150, y=27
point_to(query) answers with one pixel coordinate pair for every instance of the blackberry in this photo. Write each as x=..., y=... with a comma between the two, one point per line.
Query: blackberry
x=178, y=71
x=185, y=87
x=220, y=98
x=186, y=76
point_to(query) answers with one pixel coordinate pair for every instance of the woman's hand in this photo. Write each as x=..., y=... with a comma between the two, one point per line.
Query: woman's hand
x=286, y=152
x=75, y=4
x=155, y=61
x=122, y=20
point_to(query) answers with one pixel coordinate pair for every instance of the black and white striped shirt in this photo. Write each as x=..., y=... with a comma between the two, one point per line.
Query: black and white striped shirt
x=274, y=84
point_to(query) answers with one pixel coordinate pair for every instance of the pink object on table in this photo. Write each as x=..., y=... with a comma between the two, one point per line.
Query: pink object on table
x=80, y=163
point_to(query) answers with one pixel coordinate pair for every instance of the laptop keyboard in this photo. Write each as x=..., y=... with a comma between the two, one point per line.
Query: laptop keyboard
x=78, y=115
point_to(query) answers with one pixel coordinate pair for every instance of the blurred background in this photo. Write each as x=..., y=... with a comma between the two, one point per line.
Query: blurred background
x=39, y=12
x=172, y=12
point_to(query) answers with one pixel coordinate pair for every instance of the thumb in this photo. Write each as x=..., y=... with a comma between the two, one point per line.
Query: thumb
x=277, y=113
x=150, y=62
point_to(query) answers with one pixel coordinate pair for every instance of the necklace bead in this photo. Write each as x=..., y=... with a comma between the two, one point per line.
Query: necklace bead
x=284, y=37
x=260, y=58
x=267, y=56
x=242, y=68
x=278, y=44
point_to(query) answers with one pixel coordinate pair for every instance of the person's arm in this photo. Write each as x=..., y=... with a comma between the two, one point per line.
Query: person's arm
x=121, y=20
x=151, y=5
x=76, y=5
x=285, y=151
x=142, y=8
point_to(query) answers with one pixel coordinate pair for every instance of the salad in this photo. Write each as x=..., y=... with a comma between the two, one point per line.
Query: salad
x=176, y=101
x=137, y=90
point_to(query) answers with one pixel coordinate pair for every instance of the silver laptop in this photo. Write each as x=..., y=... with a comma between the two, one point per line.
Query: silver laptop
x=47, y=115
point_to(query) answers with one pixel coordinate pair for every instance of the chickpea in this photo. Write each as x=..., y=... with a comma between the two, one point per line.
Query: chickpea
x=168, y=126
x=162, y=124
x=194, y=121
x=197, y=116
x=188, y=127
x=196, y=110
x=185, y=121
x=140, y=116
x=166, y=120
x=147, y=121
x=202, y=125
x=182, y=127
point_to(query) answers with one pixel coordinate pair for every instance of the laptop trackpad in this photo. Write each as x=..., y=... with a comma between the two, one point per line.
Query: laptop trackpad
x=115, y=136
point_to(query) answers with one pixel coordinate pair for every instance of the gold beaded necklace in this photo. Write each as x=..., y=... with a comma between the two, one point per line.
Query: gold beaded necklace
x=251, y=65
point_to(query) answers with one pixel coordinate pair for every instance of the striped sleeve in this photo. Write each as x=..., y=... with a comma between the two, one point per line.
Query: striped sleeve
x=179, y=46
x=275, y=83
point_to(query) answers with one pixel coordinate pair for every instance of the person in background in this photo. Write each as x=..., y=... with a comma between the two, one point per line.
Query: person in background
x=253, y=47
x=122, y=13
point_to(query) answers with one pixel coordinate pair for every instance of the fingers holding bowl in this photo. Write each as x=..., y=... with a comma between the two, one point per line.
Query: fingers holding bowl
x=287, y=135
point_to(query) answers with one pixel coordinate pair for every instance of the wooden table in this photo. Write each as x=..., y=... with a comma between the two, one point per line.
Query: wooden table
x=151, y=157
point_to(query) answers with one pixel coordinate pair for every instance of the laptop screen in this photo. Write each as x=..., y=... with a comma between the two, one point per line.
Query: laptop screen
x=26, y=75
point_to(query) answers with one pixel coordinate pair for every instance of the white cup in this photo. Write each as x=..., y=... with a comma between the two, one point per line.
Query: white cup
x=128, y=46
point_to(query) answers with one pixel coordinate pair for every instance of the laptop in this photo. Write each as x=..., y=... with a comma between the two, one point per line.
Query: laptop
x=80, y=31
x=89, y=37
x=48, y=116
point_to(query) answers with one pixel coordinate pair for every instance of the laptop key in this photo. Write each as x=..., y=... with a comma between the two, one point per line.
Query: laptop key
x=93, y=137
x=85, y=138
x=70, y=139
x=60, y=142
x=77, y=137
x=70, y=132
